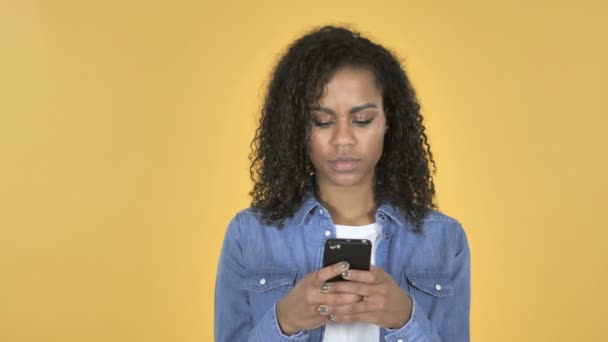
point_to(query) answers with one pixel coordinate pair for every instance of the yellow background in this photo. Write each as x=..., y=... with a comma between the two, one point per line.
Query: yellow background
x=125, y=129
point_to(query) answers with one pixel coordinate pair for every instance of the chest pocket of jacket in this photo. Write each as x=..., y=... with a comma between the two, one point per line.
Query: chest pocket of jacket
x=265, y=286
x=428, y=288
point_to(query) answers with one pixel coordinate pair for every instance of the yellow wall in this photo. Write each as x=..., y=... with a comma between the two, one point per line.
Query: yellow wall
x=125, y=129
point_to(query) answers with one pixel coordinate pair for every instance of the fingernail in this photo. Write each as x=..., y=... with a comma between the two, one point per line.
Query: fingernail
x=325, y=287
x=323, y=309
x=332, y=317
x=345, y=274
x=344, y=265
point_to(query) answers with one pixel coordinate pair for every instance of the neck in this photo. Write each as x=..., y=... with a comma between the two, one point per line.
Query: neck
x=352, y=206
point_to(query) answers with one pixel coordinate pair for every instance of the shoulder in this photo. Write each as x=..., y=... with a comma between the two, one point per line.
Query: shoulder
x=248, y=214
x=243, y=217
x=435, y=215
x=248, y=220
x=253, y=217
x=442, y=225
x=437, y=218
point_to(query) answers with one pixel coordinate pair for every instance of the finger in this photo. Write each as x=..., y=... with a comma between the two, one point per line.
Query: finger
x=361, y=289
x=375, y=269
x=340, y=299
x=329, y=272
x=352, y=309
x=336, y=301
x=366, y=277
x=378, y=271
x=332, y=287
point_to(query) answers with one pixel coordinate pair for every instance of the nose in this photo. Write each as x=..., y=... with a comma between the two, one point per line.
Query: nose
x=343, y=134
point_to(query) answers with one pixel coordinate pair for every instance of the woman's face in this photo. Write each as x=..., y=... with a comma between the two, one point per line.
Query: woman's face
x=348, y=130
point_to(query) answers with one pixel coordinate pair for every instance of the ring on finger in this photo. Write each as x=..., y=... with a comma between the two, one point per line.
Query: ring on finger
x=332, y=317
x=325, y=288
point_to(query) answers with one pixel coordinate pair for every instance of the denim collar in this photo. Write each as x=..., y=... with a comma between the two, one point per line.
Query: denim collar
x=310, y=203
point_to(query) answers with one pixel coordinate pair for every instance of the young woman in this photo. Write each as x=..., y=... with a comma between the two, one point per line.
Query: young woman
x=341, y=152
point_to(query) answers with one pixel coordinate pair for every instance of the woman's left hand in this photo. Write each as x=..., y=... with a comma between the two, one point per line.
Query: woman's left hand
x=384, y=303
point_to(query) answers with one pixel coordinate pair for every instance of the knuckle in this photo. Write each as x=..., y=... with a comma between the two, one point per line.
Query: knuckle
x=384, y=304
x=309, y=297
x=346, y=299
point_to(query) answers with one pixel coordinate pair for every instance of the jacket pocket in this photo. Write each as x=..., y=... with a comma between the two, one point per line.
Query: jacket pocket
x=267, y=285
x=436, y=284
x=268, y=278
x=431, y=291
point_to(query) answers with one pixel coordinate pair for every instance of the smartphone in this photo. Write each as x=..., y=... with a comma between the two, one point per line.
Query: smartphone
x=357, y=252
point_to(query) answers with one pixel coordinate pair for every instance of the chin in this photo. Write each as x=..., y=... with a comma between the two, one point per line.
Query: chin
x=345, y=180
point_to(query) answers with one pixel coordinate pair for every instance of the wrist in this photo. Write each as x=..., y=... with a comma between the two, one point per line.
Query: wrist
x=406, y=315
x=286, y=327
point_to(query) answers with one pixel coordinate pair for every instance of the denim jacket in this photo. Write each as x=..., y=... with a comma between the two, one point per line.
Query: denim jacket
x=260, y=264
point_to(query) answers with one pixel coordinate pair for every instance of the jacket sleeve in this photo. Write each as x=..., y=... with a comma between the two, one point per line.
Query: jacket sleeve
x=232, y=316
x=453, y=325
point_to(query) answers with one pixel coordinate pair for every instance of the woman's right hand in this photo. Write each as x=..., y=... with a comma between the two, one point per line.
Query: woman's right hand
x=302, y=308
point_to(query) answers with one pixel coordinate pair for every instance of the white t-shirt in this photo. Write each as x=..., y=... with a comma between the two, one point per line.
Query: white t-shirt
x=355, y=331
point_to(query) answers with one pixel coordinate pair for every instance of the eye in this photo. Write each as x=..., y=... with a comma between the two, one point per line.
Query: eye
x=363, y=122
x=322, y=123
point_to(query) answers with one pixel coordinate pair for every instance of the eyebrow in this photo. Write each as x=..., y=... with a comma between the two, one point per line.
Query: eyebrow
x=352, y=111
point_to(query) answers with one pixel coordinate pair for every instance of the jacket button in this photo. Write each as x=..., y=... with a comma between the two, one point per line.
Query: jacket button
x=438, y=287
x=262, y=281
x=327, y=233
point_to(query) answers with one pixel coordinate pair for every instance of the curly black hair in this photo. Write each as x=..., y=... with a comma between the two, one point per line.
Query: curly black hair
x=280, y=165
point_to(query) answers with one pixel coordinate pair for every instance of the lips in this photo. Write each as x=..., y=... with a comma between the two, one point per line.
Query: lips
x=344, y=164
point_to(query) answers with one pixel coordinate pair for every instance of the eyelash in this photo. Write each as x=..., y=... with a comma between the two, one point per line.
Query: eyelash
x=359, y=123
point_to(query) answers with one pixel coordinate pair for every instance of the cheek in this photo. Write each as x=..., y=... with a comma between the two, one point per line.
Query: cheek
x=375, y=145
x=315, y=146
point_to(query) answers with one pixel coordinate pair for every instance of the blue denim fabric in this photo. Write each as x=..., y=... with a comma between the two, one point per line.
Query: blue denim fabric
x=260, y=264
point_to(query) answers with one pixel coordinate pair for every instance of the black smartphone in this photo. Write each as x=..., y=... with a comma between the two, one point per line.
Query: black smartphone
x=357, y=252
